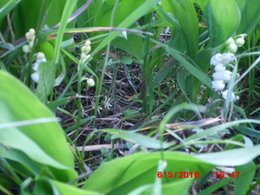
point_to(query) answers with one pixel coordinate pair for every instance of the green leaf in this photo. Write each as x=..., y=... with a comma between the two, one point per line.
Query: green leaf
x=219, y=128
x=133, y=45
x=43, y=143
x=248, y=131
x=223, y=18
x=188, y=23
x=46, y=81
x=123, y=175
x=128, y=21
x=250, y=16
x=234, y=157
x=243, y=182
x=65, y=189
x=136, y=138
x=6, y=6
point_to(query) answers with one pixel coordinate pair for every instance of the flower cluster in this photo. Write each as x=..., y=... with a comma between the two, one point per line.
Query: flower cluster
x=85, y=56
x=221, y=74
x=40, y=58
x=234, y=44
x=85, y=49
x=220, y=61
x=30, y=37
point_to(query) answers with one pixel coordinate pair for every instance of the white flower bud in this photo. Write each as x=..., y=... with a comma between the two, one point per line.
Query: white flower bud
x=26, y=49
x=35, y=77
x=30, y=36
x=27, y=35
x=218, y=85
x=220, y=67
x=87, y=43
x=90, y=82
x=233, y=47
x=85, y=49
x=31, y=31
x=40, y=56
x=230, y=41
x=240, y=42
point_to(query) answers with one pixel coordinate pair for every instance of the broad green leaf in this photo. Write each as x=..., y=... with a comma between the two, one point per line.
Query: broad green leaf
x=243, y=182
x=137, y=138
x=44, y=143
x=99, y=12
x=188, y=22
x=123, y=175
x=234, y=157
x=223, y=18
x=250, y=16
x=133, y=45
x=30, y=19
x=46, y=81
x=48, y=12
x=128, y=21
x=65, y=189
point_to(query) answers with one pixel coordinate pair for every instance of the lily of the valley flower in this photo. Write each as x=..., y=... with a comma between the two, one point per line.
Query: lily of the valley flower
x=218, y=85
x=90, y=82
x=40, y=58
x=30, y=37
x=232, y=98
x=85, y=49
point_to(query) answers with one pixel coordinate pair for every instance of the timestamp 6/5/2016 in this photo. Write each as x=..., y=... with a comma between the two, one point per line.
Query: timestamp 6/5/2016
x=196, y=174
x=178, y=174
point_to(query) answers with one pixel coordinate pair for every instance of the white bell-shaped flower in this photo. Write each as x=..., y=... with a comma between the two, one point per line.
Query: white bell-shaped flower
x=218, y=85
x=228, y=57
x=232, y=48
x=226, y=75
x=240, y=41
x=230, y=41
x=216, y=59
x=220, y=67
x=26, y=49
x=35, y=77
x=232, y=97
x=90, y=82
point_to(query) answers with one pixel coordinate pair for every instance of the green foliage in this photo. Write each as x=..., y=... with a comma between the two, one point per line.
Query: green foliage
x=126, y=128
x=125, y=174
x=188, y=22
x=223, y=18
x=249, y=15
x=41, y=144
